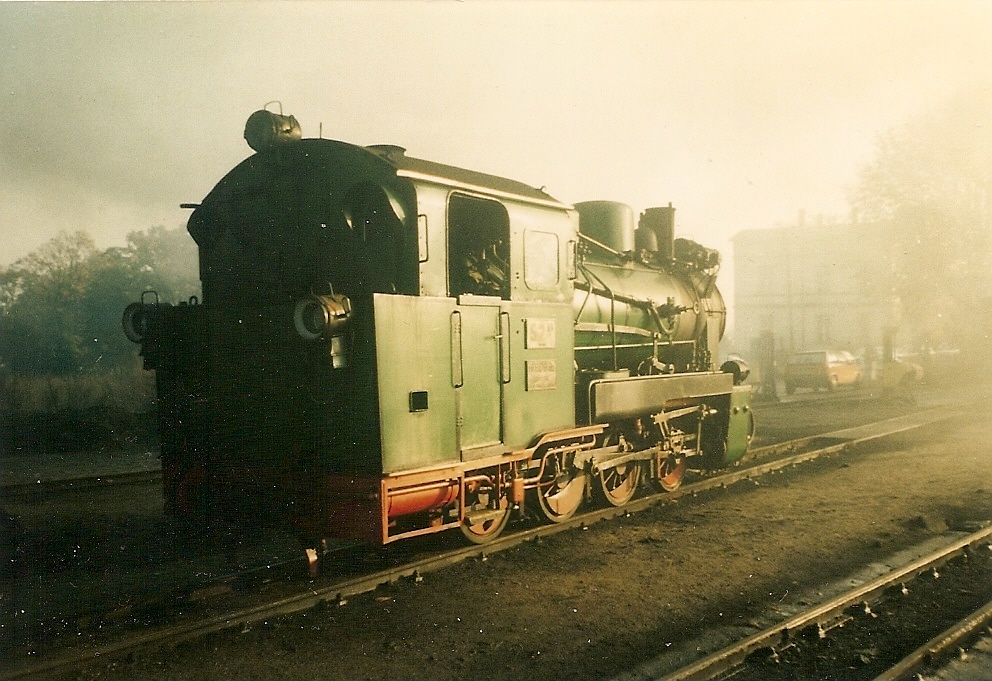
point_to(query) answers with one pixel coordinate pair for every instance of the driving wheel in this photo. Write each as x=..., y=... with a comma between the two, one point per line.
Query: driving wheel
x=619, y=484
x=671, y=470
x=560, y=490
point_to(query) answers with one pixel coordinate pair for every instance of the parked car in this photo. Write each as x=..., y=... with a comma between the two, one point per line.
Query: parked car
x=821, y=369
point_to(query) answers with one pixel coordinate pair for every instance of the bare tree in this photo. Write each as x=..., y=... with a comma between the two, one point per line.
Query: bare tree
x=930, y=182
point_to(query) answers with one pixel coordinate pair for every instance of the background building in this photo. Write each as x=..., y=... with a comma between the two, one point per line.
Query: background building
x=822, y=286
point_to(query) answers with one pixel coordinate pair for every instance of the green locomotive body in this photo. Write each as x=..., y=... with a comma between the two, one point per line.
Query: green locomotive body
x=388, y=347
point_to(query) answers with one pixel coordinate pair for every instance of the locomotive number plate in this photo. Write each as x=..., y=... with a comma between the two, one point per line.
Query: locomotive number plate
x=540, y=333
x=542, y=374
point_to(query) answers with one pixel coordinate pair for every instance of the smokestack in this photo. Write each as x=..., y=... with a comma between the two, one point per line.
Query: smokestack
x=659, y=222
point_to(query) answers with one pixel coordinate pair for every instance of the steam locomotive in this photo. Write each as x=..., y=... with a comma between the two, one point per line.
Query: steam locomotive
x=389, y=347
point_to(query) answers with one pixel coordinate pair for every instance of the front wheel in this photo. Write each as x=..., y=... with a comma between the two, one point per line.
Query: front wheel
x=484, y=529
x=482, y=524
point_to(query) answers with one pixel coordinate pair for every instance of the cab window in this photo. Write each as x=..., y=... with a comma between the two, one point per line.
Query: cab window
x=540, y=260
x=478, y=247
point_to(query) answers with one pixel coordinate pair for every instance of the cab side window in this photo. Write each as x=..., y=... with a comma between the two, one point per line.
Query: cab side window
x=541, y=268
x=478, y=247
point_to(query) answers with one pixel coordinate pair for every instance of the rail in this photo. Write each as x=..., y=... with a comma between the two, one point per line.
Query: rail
x=726, y=659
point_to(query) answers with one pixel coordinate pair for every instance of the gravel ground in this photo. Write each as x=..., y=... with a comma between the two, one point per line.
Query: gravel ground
x=594, y=603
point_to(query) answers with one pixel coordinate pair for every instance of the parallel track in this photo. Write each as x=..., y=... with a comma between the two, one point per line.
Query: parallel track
x=721, y=663
x=942, y=646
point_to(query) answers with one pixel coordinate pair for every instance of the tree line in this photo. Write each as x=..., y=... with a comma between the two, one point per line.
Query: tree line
x=61, y=305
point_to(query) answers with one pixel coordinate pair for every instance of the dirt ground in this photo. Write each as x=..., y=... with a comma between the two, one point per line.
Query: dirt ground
x=594, y=603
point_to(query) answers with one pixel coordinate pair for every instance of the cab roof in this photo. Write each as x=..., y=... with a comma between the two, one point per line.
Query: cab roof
x=440, y=173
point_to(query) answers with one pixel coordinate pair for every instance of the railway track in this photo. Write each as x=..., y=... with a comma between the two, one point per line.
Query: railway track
x=48, y=488
x=957, y=641
x=185, y=627
x=793, y=647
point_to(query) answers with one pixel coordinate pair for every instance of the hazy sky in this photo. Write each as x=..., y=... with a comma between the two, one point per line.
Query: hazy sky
x=740, y=113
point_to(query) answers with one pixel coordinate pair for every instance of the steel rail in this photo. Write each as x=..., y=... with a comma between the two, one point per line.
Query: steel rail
x=340, y=591
x=85, y=482
x=940, y=645
x=733, y=655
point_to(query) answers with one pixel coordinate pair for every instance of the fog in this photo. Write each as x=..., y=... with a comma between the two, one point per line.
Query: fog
x=742, y=114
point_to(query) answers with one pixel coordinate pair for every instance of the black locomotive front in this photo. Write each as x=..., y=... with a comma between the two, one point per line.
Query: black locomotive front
x=292, y=243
